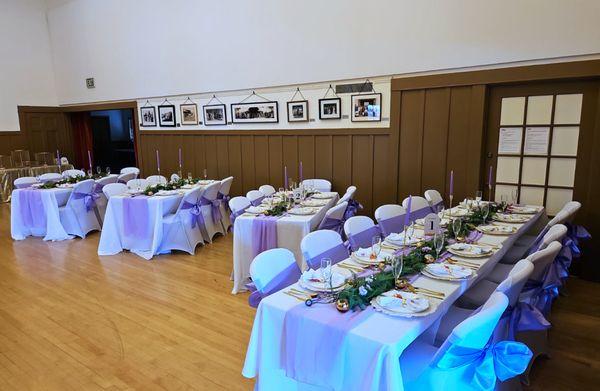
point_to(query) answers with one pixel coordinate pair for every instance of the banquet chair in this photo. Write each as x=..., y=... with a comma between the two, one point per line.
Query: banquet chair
x=267, y=190
x=360, y=231
x=113, y=189
x=183, y=230
x=72, y=173
x=211, y=212
x=79, y=215
x=126, y=177
x=102, y=200
x=24, y=181
x=238, y=206
x=334, y=218
x=556, y=232
x=271, y=271
x=435, y=200
x=175, y=177
x=255, y=197
x=224, y=197
x=323, y=244
x=322, y=185
x=139, y=183
x=390, y=218
x=419, y=207
x=501, y=270
x=156, y=180
x=478, y=342
x=130, y=170
x=50, y=177
x=349, y=195
x=353, y=205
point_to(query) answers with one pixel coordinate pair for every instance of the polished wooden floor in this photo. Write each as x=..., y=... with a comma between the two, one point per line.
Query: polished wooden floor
x=70, y=320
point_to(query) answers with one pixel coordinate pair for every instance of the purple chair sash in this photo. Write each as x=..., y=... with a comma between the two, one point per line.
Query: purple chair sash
x=224, y=200
x=196, y=212
x=437, y=207
x=576, y=233
x=89, y=199
x=419, y=213
x=236, y=214
x=364, y=238
x=392, y=225
x=524, y=317
x=473, y=236
x=336, y=254
x=264, y=234
x=285, y=278
x=352, y=208
x=215, y=208
x=333, y=224
x=31, y=208
x=135, y=218
x=543, y=292
x=257, y=201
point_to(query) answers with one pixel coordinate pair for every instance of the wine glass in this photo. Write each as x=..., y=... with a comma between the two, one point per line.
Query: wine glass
x=478, y=196
x=107, y=170
x=410, y=231
x=438, y=243
x=190, y=178
x=90, y=172
x=376, y=245
x=205, y=173
x=514, y=195
x=485, y=209
x=280, y=191
x=456, y=223
x=326, y=271
x=98, y=170
x=397, y=265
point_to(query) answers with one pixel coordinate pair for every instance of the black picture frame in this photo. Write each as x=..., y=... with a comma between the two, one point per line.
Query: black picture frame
x=144, y=118
x=255, y=120
x=182, y=114
x=304, y=103
x=356, y=113
x=327, y=116
x=211, y=122
x=160, y=116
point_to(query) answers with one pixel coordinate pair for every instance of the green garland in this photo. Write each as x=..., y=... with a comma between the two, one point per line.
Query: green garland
x=474, y=219
x=278, y=209
x=68, y=180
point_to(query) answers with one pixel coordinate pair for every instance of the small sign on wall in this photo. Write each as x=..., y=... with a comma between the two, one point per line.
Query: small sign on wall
x=90, y=83
x=431, y=224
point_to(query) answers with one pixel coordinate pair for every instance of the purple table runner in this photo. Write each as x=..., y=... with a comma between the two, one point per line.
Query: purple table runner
x=264, y=234
x=135, y=219
x=31, y=208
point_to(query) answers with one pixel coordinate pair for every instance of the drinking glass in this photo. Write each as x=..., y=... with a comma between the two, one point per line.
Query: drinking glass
x=456, y=223
x=478, y=196
x=205, y=173
x=98, y=170
x=397, y=265
x=326, y=270
x=438, y=243
x=515, y=196
x=485, y=209
x=190, y=178
x=410, y=231
x=90, y=172
x=107, y=170
x=376, y=245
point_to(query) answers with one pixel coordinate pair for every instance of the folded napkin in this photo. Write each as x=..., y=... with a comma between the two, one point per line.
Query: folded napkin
x=446, y=270
x=405, y=302
x=315, y=279
x=398, y=238
x=476, y=250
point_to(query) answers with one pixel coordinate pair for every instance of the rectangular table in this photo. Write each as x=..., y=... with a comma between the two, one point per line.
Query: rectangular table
x=373, y=347
x=8, y=176
x=290, y=231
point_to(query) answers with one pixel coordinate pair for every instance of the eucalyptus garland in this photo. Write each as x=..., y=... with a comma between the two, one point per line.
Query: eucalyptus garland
x=278, y=209
x=68, y=180
x=475, y=218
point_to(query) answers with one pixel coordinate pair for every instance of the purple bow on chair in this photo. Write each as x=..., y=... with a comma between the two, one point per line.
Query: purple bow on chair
x=196, y=212
x=576, y=233
x=215, y=208
x=285, y=278
x=224, y=199
x=257, y=201
x=236, y=214
x=392, y=224
x=544, y=292
x=89, y=199
x=352, y=208
x=333, y=224
x=524, y=317
x=336, y=254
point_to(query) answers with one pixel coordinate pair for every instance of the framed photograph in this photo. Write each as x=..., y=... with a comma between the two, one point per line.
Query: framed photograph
x=366, y=107
x=189, y=114
x=258, y=112
x=214, y=115
x=148, y=115
x=297, y=111
x=330, y=108
x=166, y=115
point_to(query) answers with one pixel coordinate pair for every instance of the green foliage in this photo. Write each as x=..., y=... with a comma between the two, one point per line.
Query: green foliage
x=278, y=209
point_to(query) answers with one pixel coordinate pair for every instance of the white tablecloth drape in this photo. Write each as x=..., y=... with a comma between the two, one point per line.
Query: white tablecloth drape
x=290, y=231
x=51, y=200
x=373, y=347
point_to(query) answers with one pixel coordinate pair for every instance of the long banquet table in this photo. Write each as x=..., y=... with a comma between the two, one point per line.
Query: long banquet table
x=369, y=352
x=8, y=176
x=290, y=231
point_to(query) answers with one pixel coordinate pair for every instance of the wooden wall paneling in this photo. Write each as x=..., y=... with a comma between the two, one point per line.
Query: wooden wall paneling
x=189, y=155
x=223, y=159
x=435, y=139
x=410, y=143
x=384, y=180
x=261, y=161
x=341, y=163
x=234, y=164
x=362, y=171
x=171, y=145
x=476, y=173
x=210, y=148
x=289, y=148
x=459, y=156
x=324, y=157
x=306, y=155
x=199, y=151
x=275, y=161
x=248, y=164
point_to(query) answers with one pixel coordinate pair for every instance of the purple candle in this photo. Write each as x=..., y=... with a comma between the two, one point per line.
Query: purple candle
x=490, y=177
x=285, y=178
x=90, y=159
x=300, y=171
x=57, y=157
x=180, y=158
x=157, y=161
x=452, y=182
x=407, y=215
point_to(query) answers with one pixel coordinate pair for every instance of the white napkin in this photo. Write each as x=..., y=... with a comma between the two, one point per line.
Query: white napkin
x=314, y=278
x=446, y=270
x=398, y=239
x=405, y=302
x=255, y=209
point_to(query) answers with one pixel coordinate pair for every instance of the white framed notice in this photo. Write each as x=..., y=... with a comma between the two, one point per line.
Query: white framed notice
x=536, y=141
x=509, y=140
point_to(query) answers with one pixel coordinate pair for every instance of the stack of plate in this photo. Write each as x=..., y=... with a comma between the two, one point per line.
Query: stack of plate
x=364, y=256
x=255, y=210
x=302, y=211
x=444, y=271
x=469, y=250
x=497, y=229
x=323, y=196
x=397, y=240
x=399, y=303
x=511, y=218
x=313, y=280
x=524, y=210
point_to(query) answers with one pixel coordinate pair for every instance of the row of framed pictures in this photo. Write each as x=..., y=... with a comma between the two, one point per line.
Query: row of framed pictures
x=365, y=107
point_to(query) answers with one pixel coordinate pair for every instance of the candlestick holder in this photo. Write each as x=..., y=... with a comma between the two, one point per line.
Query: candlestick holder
x=490, y=192
x=450, y=209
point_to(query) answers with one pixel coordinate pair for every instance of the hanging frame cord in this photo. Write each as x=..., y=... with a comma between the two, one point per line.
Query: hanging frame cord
x=296, y=93
x=188, y=100
x=147, y=104
x=330, y=88
x=253, y=94
x=166, y=101
x=366, y=83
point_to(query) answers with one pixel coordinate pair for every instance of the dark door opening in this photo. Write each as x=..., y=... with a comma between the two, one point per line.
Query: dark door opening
x=112, y=139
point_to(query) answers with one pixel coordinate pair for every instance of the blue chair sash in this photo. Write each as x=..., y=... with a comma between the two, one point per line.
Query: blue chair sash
x=333, y=224
x=352, y=208
x=89, y=199
x=336, y=254
x=543, y=292
x=364, y=238
x=285, y=278
x=502, y=360
x=524, y=317
x=391, y=225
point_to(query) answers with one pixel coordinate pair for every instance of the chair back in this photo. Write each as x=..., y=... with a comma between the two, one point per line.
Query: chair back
x=390, y=218
x=556, y=233
x=112, y=189
x=130, y=170
x=24, y=181
x=50, y=176
x=106, y=180
x=433, y=197
x=513, y=283
x=322, y=185
x=76, y=200
x=323, y=244
x=72, y=173
x=239, y=203
x=360, y=231
x=571, y=208
x=126, y=177
x=349, y=195
x=156, y=179
x=135, y=184
x=334, y=218
x=417, y=203
x=255, y=197
x=191, y=197
x=211, y=191
x=268, y=264
x=226, y=185
x=267, y=190
x=542, y=259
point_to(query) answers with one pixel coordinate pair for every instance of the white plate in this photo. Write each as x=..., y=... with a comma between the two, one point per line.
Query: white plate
x=313, y=280
x=526, y=210
x=397, y=239
x=363, y=256
x=469, y=250
x=511, y=218
x=205, y=182
x=404, y=311
x=167, y=192
x=301, y=211
x=497, y=229
x=443, y=222
x=255, y=210
x=444, y=271
x=456, y=212
x=314, y=203
x=323, y=196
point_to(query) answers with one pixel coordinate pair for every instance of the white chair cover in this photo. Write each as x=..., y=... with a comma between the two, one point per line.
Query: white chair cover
x=136, y=184
x=571, y=208
x=417, y=203
x=334, y=218
x=181, y=230
x=322, y=185
x=267, y=190
x=76, y=218
x=321, y=243
x=212, y=227
x=128, y=176
x=349, y=195
x=389, y=218
x=72, y=173
x=156, y=179
x=114, y=189
x=175, y=177
x=238, y=205
x=540, y=259
x=360, y=231
x=556, y=233
x=130, y=170
x=50, y=176
x=24, y=181
x=433, y=197
x=102, y=200
x=224, y=196
x=268, y=264
x=255, y=196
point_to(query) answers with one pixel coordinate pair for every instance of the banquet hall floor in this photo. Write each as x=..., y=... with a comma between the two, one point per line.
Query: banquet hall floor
x=71, y=320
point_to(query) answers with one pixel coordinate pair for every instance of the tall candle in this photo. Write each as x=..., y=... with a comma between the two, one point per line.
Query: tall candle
x=285, y=178
x=90, y=159
x=180, y=158
x=407, y=215
x=452, y=182
x=490, y=177
x=301, y=172
x=157, y=161
x=57, y=157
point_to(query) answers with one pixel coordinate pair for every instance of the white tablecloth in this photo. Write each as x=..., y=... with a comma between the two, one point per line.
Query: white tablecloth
x=373, y=347
x=51, y=200
x=290, y=231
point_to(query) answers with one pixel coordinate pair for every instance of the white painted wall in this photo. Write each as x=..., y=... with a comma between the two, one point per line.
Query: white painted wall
x=26, y=74
x=137, y=49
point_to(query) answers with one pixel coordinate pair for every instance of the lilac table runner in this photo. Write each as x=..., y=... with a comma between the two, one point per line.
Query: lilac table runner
x=264, y=234
x=32, y=209
x=135, y=220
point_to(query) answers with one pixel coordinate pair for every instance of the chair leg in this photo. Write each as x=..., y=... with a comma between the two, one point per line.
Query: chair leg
x=537, y=341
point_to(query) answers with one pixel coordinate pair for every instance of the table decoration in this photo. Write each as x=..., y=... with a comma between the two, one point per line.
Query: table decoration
x=448, y=272
x=401, y=303
x=511, y=218
x=497, y=229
